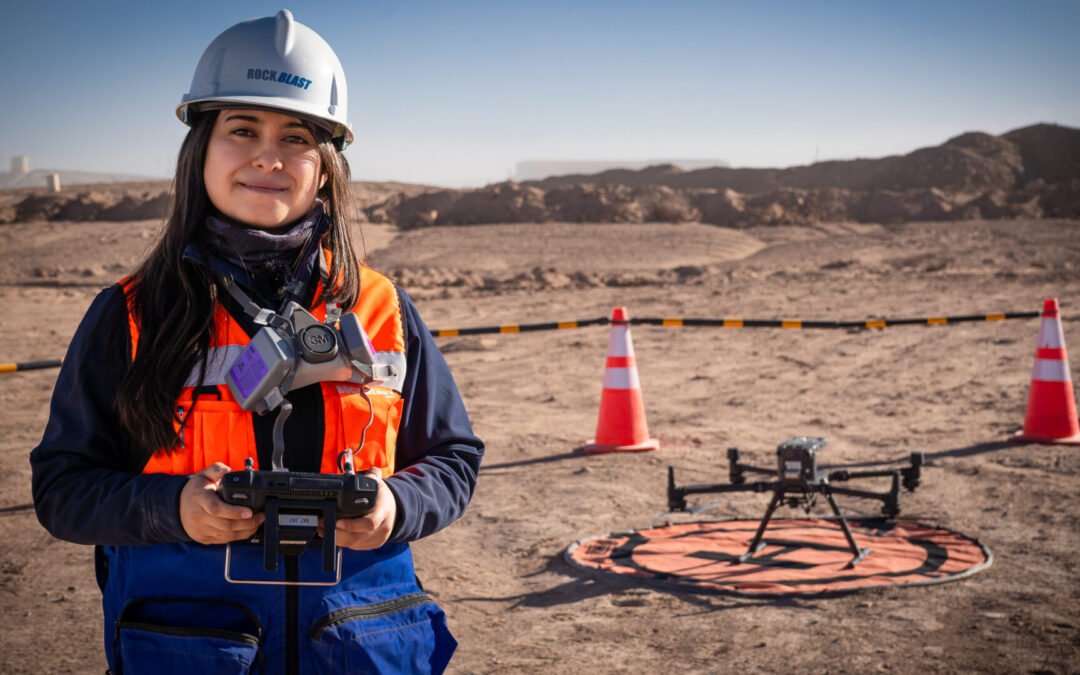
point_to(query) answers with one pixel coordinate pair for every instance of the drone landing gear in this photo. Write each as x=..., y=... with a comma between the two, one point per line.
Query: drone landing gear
x=756, y=544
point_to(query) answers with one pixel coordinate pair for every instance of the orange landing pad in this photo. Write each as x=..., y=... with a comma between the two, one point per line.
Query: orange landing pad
x=800, y=557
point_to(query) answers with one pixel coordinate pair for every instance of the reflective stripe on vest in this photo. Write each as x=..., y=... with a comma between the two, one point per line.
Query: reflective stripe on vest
x=217, y=429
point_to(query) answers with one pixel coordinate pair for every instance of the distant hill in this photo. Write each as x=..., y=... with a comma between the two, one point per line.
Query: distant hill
x=541, y=169
x=971, y=162
x=1032, y=172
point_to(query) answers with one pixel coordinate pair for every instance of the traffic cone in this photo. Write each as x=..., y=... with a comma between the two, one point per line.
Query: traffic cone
x=1051, y=406
x=622, y=426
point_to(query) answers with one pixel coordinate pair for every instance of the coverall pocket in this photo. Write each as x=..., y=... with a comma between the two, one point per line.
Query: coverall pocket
x=403, y=634
x=167, y=636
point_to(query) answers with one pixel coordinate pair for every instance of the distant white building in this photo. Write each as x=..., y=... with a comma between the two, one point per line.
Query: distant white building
x=43, y=177
x=20, y=164
x=540, y=169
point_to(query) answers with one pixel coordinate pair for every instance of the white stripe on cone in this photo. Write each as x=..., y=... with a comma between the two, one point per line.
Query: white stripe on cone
x=1051, y=370
x=621, y=378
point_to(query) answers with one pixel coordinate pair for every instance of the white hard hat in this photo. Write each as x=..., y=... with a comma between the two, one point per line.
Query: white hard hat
x=273, y=62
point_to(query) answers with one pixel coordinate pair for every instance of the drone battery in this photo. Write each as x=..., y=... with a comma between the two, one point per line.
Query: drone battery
x=256, y=373
x=797, y=459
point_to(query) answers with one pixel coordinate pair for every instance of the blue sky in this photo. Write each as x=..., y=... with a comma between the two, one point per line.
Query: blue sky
x=455, y=93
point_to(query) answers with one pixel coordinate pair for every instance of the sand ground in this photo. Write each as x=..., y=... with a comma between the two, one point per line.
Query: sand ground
x=955, y=392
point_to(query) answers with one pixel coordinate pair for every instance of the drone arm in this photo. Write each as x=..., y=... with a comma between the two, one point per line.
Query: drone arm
x=912, y=474
x=707, y=488
x=855, y=493
x=754, y=469
x=677, y=494
x=848, y=475
x=890, y=500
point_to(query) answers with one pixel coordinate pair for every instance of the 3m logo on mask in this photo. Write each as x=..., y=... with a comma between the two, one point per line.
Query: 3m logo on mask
x=275, y=76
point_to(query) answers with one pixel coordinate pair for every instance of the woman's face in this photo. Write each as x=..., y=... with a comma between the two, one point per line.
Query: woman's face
x=262, y=168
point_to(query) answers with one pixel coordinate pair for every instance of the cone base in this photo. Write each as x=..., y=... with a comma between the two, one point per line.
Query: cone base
x=594, y=449
x=1067, y=440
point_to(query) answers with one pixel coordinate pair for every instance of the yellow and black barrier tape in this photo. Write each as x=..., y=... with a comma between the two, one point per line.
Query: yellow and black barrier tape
x=29, y=365
x=801, y=324
x=669, y=322
x=520, y=328
x=737, y=323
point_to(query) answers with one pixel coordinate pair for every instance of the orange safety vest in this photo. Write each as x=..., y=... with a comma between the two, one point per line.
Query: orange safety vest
x=219, y=430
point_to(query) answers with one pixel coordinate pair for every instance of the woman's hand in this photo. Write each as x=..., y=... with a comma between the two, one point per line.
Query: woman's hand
x=207, y=518
x=371, y=531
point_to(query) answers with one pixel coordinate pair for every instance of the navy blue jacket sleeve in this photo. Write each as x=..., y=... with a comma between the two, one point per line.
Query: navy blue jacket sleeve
x=438, y=456
x=87, y=482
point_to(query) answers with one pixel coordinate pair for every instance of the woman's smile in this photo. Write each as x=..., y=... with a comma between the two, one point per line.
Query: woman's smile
x=265, y=189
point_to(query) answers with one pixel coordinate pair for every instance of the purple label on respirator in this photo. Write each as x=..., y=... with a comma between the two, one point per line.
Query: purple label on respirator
x=248, y=371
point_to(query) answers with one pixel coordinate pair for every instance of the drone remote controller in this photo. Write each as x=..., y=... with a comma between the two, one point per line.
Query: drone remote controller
x=293, y=502
x=352, y=494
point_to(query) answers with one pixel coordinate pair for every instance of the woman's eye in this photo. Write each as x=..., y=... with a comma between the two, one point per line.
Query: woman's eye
x=242, y=131
x=296, y=139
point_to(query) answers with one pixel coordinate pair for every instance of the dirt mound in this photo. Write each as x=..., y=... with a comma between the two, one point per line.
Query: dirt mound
x=148, y=200
x=515, y=203
x=588, y=203
x=92, y=205
x=595, y=204
x=944, y=167
x=621, y=204
x=721, y=206
x=1061, y=200
x=1048, y=151
x=798, y=207
x=139, y=207
x=998, y=148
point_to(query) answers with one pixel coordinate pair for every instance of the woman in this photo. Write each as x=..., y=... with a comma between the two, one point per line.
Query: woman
x=143, y=425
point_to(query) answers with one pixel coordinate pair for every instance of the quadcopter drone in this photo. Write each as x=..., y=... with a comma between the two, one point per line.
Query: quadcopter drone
x=798, y=481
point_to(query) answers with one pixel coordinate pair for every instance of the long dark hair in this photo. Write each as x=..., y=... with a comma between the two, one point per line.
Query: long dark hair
x=173, y=299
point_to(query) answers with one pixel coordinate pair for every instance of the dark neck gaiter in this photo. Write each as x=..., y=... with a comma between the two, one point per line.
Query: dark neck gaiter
x=268, y=256
x=249, y=246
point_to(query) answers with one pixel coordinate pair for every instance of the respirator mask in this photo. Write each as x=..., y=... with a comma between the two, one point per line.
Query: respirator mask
x=295, y=350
